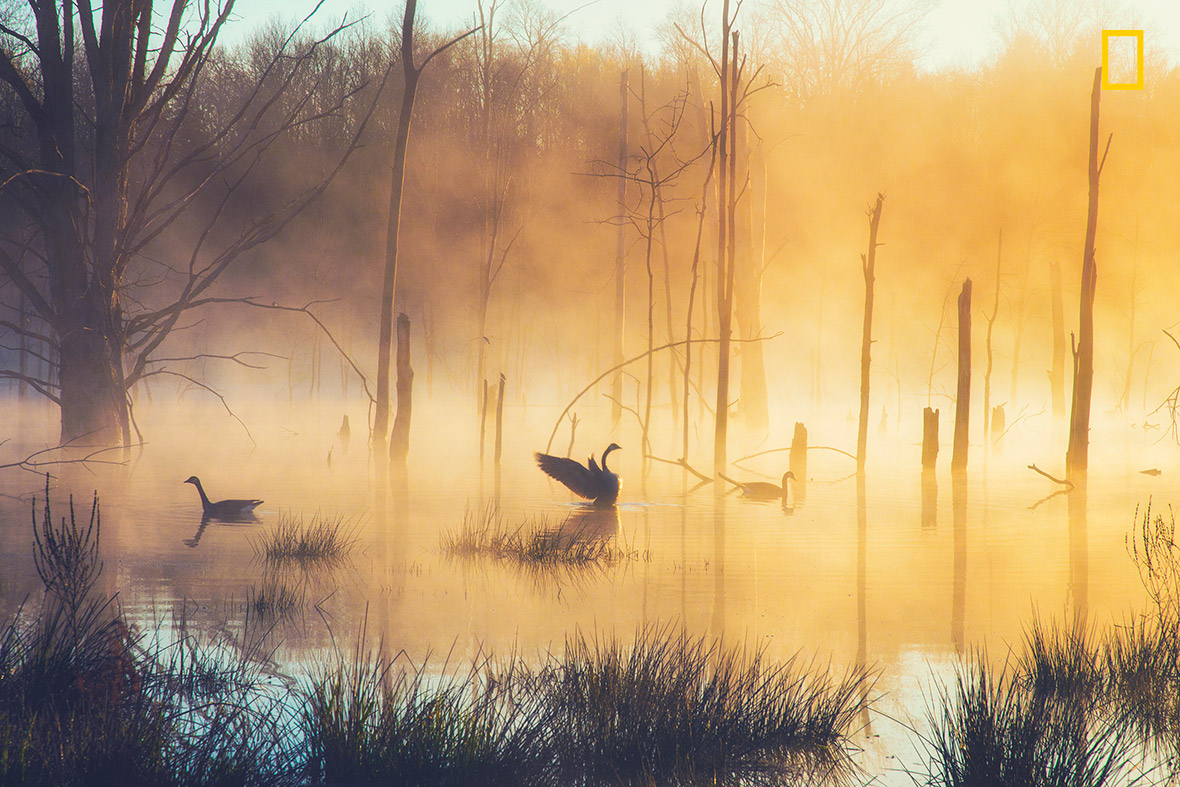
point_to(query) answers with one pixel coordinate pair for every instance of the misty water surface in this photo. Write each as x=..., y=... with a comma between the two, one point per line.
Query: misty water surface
x=907, y=583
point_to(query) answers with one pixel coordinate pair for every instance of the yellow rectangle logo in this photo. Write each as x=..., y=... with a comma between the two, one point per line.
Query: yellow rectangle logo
x=1106, y=36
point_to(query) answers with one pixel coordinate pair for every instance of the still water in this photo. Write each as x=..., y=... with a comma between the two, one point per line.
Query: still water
x=907, y=578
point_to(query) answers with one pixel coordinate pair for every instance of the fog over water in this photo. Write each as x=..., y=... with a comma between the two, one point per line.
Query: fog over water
x=246, y=347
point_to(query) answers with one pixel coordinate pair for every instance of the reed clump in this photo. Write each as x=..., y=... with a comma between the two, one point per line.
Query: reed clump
x=369, y=720
x=321, y=540
x=532, y=544
x=85, y=700
x=664, y=709
x=1076, y=707
x=996, y=728
x=668, y=708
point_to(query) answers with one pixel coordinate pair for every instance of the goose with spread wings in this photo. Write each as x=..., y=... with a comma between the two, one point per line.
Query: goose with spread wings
x=593, y=483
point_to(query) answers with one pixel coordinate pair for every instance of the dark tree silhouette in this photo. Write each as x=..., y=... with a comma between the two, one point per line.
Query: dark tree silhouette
x=104, y=157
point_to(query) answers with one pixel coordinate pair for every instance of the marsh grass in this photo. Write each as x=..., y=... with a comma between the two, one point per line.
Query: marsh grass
x=995, y=728
x=534, y=543
x=322, y=540
x=86, y=700
x=1077, y=708
x=370, y=720
x=672, y=709
x=663, y=709
x=1062, y=662
x=1142, y=658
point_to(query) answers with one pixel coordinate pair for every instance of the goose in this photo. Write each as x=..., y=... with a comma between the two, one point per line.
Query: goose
x=223, y=509
x=592, y=483
x=762, y=490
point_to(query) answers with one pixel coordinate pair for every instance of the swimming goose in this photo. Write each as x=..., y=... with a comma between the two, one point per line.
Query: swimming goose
x=592, y=483
x=762, y=490
x=223, y=509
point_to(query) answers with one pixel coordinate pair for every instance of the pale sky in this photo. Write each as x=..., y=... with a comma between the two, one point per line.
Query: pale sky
x=958, y=32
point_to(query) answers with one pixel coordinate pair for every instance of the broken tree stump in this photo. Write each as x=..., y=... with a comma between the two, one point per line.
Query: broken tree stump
x=929, y=438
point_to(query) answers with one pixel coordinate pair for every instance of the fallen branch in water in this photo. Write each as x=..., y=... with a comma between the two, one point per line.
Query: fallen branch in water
x=1062, y=481
x=681, y=463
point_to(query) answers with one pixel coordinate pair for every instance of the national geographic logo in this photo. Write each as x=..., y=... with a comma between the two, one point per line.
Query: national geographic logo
x=1122, y=37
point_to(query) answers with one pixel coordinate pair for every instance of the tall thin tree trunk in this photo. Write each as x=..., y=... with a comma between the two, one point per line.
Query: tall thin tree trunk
x=724, y=258
x=620, y=258
x=751, y=259
x=483, y=424
x=23, y=360
x=1077, y=454
x=868, y=265
x=702, y=212
x=963, y=389
x=389, y=282
x=1021, y=304
x=1057, y=370
x=399, y=440
x=987, y=371
x=499, y=446
x=1125, y=397
x=798, y=461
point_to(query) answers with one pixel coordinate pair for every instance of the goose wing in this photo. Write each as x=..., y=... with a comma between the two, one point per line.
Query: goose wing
x=575, y=476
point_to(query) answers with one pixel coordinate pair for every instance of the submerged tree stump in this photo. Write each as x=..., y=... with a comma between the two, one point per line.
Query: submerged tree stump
x=929, y=438
x=998, y=423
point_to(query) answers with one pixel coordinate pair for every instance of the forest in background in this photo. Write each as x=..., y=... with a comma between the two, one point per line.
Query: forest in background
x=511, y=208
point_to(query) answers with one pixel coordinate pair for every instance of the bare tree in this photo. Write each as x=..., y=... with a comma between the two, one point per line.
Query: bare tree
x=1077, y=454
x=105, y=160
x=412, y=75
x=829, y=46
x=868, y=268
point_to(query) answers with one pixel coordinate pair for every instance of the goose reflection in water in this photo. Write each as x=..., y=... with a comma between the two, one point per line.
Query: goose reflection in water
x=587, y=524
x=205, y=520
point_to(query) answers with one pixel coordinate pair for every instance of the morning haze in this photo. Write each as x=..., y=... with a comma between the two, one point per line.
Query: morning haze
x=884, y=353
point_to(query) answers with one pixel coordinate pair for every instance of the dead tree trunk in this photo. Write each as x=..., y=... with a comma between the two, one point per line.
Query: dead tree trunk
x=412, y=74
x=499, y=449
x=798, y=460
x=1077, y=454
x=998, y=422
x=1125, y=398
x=1057, y=370
x=929, y=438
x=483, y=424
x=399, y=440
x=868, y=263
x=963, y=390
x=616, y=388
x=1021, y=304
x=725, y=242
x=991, y=321
x=751, y=261
x=702, y=212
